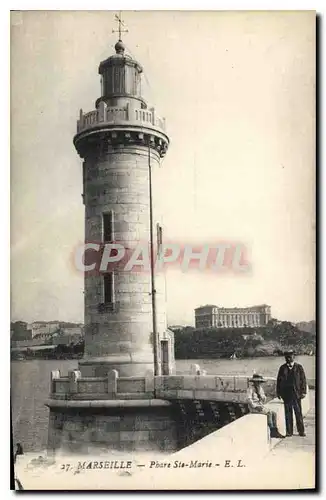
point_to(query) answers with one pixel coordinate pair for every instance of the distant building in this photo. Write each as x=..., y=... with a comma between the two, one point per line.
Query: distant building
x=72, y=331
x=43, y=337
x=205, y=316
x=51, y=327
x=45, y=332
x=44, y=327
x=19, y=331
x=211, y=316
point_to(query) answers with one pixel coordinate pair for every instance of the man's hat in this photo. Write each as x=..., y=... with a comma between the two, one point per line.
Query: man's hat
x=257, y=378
x=289, y=352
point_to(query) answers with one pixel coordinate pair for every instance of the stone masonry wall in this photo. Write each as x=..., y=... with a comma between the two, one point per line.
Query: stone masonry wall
x=118, y=180
x=88, y=430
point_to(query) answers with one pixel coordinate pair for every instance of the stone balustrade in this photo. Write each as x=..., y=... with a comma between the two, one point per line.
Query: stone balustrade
x=208, y=387
x=74, y=386
x=128, y=115
x=219, y=388
x=170, y=387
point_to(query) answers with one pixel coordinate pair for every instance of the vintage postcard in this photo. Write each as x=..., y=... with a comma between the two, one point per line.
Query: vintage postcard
x=163, y=331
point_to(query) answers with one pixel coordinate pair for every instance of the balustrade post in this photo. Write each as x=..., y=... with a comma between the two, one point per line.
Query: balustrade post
x=112, y=379
x=55, y=374
x=101, y=111
x=73, y=376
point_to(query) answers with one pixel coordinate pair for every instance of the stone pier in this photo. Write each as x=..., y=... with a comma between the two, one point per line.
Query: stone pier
x=162, y=413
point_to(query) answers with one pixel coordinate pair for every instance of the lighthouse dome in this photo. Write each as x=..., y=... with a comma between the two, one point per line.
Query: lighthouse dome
x=121, y=75
x=119, y=47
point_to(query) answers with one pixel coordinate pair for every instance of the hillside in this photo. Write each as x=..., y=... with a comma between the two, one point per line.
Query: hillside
x=307, y=326
x=192, y=343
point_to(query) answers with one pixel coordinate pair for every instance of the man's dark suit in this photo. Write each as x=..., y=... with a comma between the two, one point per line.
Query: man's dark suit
x=292, y=387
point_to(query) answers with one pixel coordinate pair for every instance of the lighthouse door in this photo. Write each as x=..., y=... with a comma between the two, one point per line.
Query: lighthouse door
x=165, y=357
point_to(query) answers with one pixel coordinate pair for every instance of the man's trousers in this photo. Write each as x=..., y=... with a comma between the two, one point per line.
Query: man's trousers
x=290, y=405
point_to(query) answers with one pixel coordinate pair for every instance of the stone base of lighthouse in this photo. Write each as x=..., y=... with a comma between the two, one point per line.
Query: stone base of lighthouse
x=94, y=427
x=109, y=413
x=107, y=405
x=161, y=414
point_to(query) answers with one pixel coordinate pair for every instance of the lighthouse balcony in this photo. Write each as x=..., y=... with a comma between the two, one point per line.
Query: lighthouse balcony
x=128, y=115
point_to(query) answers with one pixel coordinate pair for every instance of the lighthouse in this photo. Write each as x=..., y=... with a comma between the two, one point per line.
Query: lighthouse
x=110, y=400
x=121, y=142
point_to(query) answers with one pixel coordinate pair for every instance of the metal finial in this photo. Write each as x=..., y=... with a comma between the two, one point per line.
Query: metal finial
x=121, y=24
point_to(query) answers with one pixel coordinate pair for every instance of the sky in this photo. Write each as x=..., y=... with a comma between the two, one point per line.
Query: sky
x=237, y=90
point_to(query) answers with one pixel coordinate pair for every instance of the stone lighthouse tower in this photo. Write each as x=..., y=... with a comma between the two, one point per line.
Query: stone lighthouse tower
x=111, y=398
x=120, y=141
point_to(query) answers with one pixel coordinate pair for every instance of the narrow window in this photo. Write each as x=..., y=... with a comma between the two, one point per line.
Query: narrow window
x=84, y=181
x=108, y=288
x=159, y=235
x=102, y=86
x=84, y=173
x=107, y=225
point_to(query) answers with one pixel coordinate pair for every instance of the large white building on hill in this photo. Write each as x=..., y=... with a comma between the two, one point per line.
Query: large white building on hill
x=211, y=316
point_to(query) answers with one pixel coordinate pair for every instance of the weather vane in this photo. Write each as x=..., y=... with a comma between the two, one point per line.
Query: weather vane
x=121, y=24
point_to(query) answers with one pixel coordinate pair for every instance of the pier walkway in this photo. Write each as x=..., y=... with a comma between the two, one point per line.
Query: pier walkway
x=291, y=463
x=296, y=442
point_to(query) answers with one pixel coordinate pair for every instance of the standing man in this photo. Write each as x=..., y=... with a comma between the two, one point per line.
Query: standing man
x=292, y=387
